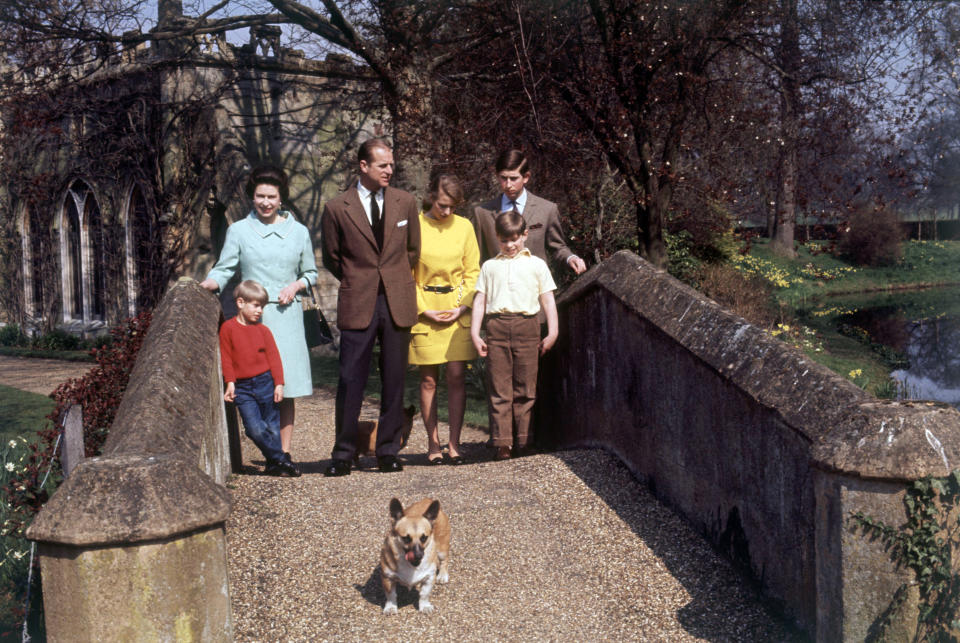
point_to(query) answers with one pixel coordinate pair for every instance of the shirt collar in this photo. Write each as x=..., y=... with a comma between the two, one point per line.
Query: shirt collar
x=365, y=193
x=281, y=228
x=523, y=253
x=505, y=203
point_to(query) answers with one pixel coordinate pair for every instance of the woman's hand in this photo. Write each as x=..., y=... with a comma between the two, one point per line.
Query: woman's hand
x=445, y=316
x=289, y=293
x=210, y=285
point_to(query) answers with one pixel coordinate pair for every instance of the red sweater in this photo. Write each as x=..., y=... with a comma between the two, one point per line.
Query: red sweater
x=248, y=350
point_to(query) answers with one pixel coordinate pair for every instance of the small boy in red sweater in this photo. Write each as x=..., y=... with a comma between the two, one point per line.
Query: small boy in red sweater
x=253, y=373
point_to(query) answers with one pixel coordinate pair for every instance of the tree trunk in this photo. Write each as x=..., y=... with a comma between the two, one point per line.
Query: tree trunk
x=418, y=135
x=789, y=55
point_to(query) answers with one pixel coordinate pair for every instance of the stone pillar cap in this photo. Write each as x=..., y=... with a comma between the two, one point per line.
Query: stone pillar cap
x=117, y=500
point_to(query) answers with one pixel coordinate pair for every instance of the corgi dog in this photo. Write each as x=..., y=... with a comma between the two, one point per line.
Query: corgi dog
x=367, y=434
x=415, y=552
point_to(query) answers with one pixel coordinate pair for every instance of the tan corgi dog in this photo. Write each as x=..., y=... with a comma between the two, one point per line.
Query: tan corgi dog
x=415, y=551
x=367, y=434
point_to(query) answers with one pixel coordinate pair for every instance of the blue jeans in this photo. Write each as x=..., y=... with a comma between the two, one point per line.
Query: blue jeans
x=261, y=417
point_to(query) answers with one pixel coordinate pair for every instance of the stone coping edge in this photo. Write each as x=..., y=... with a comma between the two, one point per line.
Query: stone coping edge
x=849, y=431
x=124, y=499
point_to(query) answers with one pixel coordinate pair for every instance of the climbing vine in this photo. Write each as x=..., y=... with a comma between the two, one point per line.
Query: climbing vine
x=925, y=543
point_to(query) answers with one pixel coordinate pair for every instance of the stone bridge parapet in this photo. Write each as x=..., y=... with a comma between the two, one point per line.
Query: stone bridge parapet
x=132, y=544
x=766, y=452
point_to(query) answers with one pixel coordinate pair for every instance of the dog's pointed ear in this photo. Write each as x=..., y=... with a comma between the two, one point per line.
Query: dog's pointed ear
x=432, y=511
x=396, y=509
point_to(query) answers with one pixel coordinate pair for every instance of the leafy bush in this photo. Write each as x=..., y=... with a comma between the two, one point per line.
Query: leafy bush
x=13, y=335
x=872, y=238
x=57, y=340
x=682, y=263
x=747, y=295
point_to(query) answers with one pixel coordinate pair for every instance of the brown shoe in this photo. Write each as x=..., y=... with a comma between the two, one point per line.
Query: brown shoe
x=502, y=453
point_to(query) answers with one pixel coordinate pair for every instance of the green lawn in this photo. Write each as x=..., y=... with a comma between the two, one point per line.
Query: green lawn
x=815, y=273
x=23, y=415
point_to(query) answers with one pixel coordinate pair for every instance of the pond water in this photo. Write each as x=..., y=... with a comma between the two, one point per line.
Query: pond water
x=918, y=329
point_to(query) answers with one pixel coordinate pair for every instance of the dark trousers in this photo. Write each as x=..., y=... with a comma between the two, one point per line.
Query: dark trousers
x=512, y=362
x=260, y=415
x=356, y=350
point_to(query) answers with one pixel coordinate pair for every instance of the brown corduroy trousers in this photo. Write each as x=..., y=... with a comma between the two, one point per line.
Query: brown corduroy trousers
x=512, y=362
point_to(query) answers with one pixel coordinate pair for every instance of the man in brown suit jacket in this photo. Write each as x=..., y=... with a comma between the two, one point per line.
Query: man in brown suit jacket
x=544, y=234
x=371, y=240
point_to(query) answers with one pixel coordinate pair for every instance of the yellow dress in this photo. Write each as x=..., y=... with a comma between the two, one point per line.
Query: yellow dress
x=449, y=256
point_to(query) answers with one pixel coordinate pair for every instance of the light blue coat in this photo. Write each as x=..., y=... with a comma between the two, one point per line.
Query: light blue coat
x=275, y=255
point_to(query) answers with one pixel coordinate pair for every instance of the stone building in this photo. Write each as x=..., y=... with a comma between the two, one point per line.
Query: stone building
x=126, y=176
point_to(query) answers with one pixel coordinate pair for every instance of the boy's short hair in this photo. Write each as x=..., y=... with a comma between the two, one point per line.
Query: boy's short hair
x=512, y=160
x=250, y=290
x=510, y=223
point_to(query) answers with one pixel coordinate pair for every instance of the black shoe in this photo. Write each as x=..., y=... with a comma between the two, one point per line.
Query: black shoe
x=389, y=464
x=288, y=469
x=337, y=468
x=272, y=468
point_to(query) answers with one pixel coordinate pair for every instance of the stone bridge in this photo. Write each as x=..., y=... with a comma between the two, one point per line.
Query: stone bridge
x=750, y=447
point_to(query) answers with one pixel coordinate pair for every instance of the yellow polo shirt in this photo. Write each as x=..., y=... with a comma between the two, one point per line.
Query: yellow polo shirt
x=514, y=284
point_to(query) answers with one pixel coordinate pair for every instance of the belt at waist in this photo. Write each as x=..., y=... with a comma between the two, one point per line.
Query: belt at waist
x=439, y=289
x=509, y=316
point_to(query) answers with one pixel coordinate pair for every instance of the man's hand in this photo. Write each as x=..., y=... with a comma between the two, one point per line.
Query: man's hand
x=577, y=264
x=230, y=395
x=278, y=393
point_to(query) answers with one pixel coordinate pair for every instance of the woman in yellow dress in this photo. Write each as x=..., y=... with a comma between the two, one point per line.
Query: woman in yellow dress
x=446, y=275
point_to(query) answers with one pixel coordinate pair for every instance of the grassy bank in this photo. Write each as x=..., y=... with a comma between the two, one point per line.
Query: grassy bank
x=821, y=296
x=815, y=273
x=24, y=414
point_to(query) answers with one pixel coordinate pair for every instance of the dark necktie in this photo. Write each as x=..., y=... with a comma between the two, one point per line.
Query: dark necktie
x=515, y=208
x=376, y=221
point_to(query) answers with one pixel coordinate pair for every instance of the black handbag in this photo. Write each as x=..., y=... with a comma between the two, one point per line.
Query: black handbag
x=315, y=326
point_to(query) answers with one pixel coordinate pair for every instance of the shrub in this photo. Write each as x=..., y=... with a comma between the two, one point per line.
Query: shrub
x=682, y=263
x=747, y=295
x=57, y=340
x=13, y=335
x=872, y=237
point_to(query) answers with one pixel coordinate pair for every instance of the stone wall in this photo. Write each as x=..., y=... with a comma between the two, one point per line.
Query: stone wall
x=132, y=544
x=764, y=451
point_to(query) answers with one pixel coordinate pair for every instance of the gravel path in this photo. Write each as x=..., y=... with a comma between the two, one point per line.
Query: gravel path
x=561, y=546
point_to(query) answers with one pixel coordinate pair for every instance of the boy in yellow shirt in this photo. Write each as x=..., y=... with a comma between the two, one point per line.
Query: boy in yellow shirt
x=511, y=290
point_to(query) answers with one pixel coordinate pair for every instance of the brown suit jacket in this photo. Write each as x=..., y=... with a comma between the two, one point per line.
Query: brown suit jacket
x=544, y=233
x=350, y=252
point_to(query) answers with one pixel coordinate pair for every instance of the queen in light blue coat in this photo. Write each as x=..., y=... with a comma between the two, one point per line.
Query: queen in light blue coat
x=271, y=247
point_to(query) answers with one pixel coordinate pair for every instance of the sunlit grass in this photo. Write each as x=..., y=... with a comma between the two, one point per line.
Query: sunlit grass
x=815, y=273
